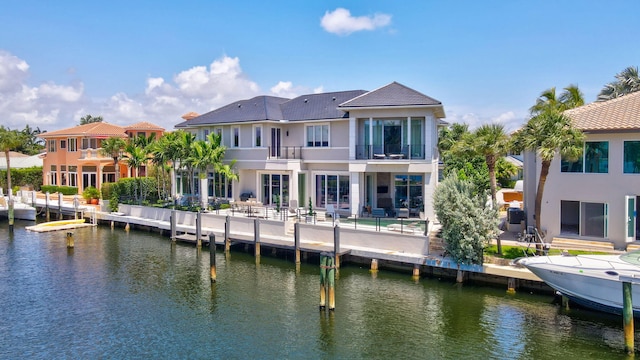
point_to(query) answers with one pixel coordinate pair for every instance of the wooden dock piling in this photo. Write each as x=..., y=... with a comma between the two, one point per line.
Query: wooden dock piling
x=627, y=318
x=47, y=197
x=511, y=286
x=59, y=206
x=296, y=242
x=374, y=265
x=416, y=272
x=172, y=225
x=331, y=277
x=198, y=230
x=256, y=237
x=70, y=242
x=323, y=280
x=336, y=246
x=212, y=257
x=227, y=240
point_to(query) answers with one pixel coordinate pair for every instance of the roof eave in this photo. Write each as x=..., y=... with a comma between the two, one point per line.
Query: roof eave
x=439, y=114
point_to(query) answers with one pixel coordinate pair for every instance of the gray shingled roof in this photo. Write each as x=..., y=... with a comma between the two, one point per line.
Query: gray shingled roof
x=394, y=94
x=331, y=105
x=318, y=106
x=254, y=109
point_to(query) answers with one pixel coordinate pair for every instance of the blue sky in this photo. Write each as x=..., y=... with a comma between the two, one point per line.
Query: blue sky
x=129, y=61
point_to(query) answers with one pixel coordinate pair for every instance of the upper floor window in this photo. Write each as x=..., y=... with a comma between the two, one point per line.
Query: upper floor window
x=73, y=144
x=318, y=135
x=205, y=134
x=63, y=144
x=257, y=135
x=90, y=143
x=631, y=157
x=235, y=136
x=52, y=146
x=595, y=159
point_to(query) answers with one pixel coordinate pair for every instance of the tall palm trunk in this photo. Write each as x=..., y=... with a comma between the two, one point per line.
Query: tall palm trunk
x=491, y=165
x=544, y=171
x=6, y=155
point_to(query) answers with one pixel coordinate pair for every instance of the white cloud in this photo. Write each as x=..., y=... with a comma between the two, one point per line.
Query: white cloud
x=479, y=117
x=341, y=22
x=52, y=106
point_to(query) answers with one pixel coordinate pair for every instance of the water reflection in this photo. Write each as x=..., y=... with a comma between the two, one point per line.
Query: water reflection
x=124, y=295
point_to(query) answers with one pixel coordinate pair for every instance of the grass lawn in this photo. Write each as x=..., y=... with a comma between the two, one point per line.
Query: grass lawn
x=513, y=252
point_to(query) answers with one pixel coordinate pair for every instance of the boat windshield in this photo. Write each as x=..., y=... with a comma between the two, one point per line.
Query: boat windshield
x=632, y=257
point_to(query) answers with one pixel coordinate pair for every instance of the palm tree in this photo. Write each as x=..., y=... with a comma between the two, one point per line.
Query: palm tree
x=136, y=157
x=9, y=140
x=626, y=82
x=88, y=119
x=113, y=147
x=492, y=142
x=549, y=131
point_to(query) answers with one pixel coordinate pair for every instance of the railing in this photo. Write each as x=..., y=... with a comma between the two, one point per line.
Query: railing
x=91, y=153
x=285, y=152
x=390, y=152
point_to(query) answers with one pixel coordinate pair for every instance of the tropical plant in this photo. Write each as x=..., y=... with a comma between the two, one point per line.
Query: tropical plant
x=468, y=224
x=627, y=81
x=136, y=157
x=548, y=132
x=505, y=172
x=310, y=213
x=113, y=148
x=88, y=119
x=455, y=145
x=9, y=140
x=90, y=193
x=32, y=144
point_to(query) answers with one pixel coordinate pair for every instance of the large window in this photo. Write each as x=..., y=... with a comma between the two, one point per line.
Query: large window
x=257, y=135
x=90, y=143
x=72, y=175
x=584, y=218
x=235, y=136
x=219, y=186
x=53, y=175
x=332, y=189
x=52, y=147
x=595, y=159
x=408, y=190
x=109, y=174
x=275, y=185
x=632, y=157
x=318, y=135
x=73, y=145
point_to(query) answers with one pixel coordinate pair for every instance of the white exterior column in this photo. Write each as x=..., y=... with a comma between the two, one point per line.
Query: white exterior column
x=430, y=181
x=354, y=193
x=408, y=141
x=174, y=185
x=430, y=133
x=293, y=187
x=203, y=191
x=352, y=138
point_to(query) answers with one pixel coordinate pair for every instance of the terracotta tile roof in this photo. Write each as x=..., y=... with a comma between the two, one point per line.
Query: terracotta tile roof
x=99, y=129
x=143, y=125
x=622, y=113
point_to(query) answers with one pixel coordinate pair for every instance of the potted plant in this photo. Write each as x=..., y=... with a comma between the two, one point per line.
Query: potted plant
x=91, y=195
x=309, y=217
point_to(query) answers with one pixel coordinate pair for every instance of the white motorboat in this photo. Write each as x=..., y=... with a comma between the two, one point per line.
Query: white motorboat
x=593, y=281
x=21, y=211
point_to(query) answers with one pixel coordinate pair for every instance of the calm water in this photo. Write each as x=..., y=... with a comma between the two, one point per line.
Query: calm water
x=131, y=295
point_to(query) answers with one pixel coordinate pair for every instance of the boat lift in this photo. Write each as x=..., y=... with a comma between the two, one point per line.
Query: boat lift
x=532, y=237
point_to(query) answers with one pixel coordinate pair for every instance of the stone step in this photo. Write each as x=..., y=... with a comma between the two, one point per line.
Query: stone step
x=579, y=244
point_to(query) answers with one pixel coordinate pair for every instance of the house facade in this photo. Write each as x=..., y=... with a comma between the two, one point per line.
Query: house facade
x=73, y=156
x=598, y=196
x=354, y=151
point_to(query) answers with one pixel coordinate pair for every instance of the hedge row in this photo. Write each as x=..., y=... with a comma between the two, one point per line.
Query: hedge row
x=64, y=190
x=31, y=177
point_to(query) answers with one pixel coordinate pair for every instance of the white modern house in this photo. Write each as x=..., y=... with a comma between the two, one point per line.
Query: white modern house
x=358, y=152
x=597, y=197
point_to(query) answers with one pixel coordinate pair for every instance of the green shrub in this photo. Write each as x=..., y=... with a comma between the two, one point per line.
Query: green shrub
x=68, y=190
x=107, y=190
x=51, y=189
x=23, y=177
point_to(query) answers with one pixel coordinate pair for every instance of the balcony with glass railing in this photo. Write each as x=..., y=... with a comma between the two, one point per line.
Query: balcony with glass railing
x=390, y=152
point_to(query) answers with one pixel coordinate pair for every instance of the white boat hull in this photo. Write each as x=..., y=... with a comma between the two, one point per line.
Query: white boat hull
x=20, y=212
x=589, y=280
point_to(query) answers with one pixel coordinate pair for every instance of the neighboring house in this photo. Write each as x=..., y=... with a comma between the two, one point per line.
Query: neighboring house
x=350, y=150
x=20, y=160
x=598, y=196
x=74, y=158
